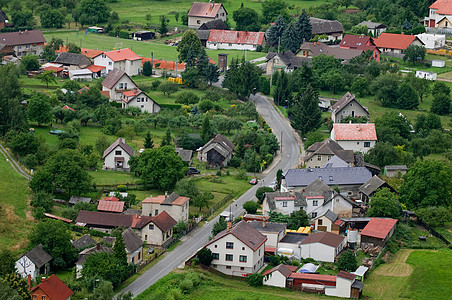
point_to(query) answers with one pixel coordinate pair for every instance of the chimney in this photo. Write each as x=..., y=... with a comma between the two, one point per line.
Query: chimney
x=29, y=282
x=98, y=246
x=229, y=225
x=43, y=279
x=264, y=224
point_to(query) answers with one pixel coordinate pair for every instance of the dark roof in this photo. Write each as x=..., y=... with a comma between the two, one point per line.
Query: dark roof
x=3, y=16
x=185, y=154
x=73, y=59
x=372, y=25
x=358, y=284
x=284, y=269
x=344, y=101
x=22, y=37
x=203, y=34
x=121, y=142
x=170, y=199
x=289, y=59
x=346, y=275
x=371, y=185
x=326, y=238
x=83, y=242
x=111, y=220
x=330, y=215
x=221, y=144
x=76, y=199
x=396, y=168
x=164, y=221
x=319, y=48
x=269, y=226
x=98, y=248
x=113, y=77
x=336, y=162
x=109, y=240
x=330, y=176
x=321, y=26
x=245, y=233
x=131, y=211
x=329, y=147
x=297, y=197
x=214, y=24
x=54, y=288
x=293, y=238
x=132, y=241
x=38, y=256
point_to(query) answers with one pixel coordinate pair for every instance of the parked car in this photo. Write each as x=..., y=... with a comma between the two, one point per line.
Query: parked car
x=254, y=181
x=192, y=171
x=272, y=185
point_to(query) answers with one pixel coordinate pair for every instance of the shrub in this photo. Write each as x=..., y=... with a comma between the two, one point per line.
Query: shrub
x=187, y=98
x=347, y=261
x=251, y=207
x=155, y=84
x=260, y=192
x=434, y=216
x=255, y=280
x=205, y=256
x=234, y=162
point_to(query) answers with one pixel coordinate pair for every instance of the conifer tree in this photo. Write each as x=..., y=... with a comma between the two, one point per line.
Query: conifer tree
x=276, y=31
x=304, y=28
x=119, y=250
x=166, y=141
x=290, y=38
x=148, y=142
x=306, y=115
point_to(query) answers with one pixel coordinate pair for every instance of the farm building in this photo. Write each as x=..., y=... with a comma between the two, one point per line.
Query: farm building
x=234, y=40
x=377, y=232
x=426, y=75
x=203, y=12
x=217, y=151
x=395, y=170
x=143, y=35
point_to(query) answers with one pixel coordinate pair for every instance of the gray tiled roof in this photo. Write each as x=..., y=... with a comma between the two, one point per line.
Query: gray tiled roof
x=270, y=198
x=329, y=147
x=245, y=233
x=330, y=215
x=269, y=226
x=330, y=176
x=113, y=77
x=396, y=167
x=214, y=24
x=185, y=154
x=38, y=256
x=76, y=199
x=344, y=101
x=372, y=25
x=336, y=162
x=132, y=241
x=73, y=59
x=289, y=59
x=321, y=26
x=203, y=34
x=371, y=185
x=83, y=242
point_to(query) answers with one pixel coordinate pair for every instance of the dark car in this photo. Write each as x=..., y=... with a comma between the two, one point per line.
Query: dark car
x=193, y=171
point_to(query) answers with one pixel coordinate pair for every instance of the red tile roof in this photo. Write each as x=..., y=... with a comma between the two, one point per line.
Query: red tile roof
x=54, y=69
x=131, y=93
x=250, y=217
x=354, y=132
x=346, y=275
x=444, y=7
x=317, y=277
x=105, y=93
x=164, y=221
x=236, y=37
x=54, y=288
x=285, y=270
x=122, y=54
x=111, y=199
x=111, y=206
x=378, y=228
x=172, y=199
x=395, y=41
x=57, y=218
x=361, y=42
x=338, y=222
x=326, y=238
x=95, y=69
x=204, y=9
x=90, y=52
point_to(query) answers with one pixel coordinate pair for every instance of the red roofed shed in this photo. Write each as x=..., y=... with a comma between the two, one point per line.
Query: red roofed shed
x=239, y=40
x=378, y=231
x=111, y=206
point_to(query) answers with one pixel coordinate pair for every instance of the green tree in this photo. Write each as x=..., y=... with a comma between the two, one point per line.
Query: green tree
x=24, y=143
x=104, y=291
x=242, y=79
x=187, y=188
x=18, y=284
x=205, y=256
x=246, y=19
x=255, y=280
x=386, y=89
x=298, y=219
x=104, y=266
x=47, y=77
x=42, y=199
x=420, y=85
x=167, y=140
x=290, y=38
x=206, y=130
x=187, y=98
x=219, y=226
x=425, y=123
x=176, y=16
x=440, y=104
x=52, y=18
x=73, y=48
x=30, y=62
x=49, y=49
x=304, y=27
x=163, y=28
x=427, y=183
x=93, y=11
x=283, y=89
x=251, y=207
x=203, y=200
x=382, y=154
x=211, y=73
x=169, y=88
x=147, y=68
x=306, y=115
x=347, y=261
x=148, y=142
x=119, y=250
x=189, y=41
x=23, y=19
x=360, y=86
x=435, y=216
x=8, y=293
x=7, y=261
x=414, y=53
x=260, y=192
x=55, y=240
x=272, y=9
x=408, y=98
x=39, y=109
x=276, y=31
x=384, y=203
x=148, y=18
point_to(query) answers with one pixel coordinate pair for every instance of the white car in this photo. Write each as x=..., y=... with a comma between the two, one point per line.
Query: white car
x=272, y=185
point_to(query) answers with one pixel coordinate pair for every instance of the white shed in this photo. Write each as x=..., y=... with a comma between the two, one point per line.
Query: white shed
x=426, y=75
x=322, y=246
x=438, y=63
x=81, y=75
x=278, y=275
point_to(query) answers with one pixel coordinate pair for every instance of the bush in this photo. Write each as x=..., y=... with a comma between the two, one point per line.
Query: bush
x=42, y=199
x=251, y=207
x=255, y=280
x=260, y=192
x=347, y=261
x=187, y=98
x=434, y=216
x=234, y=162
x=205, y=256
x=155, y=85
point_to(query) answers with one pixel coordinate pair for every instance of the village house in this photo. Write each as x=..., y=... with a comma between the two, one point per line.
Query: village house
x=123, y=59
x=98, y=248
x=83, y=242
x=432, y=41
x=203, y=12
x=329, y=222
x=186, y=155
x=33, y=263
x=348, y=106
x=395, y=170
x=216, y=152
x=116, y=83
x=137, y=98
x=283, y=202
x=72, y=61
x=377, y=232
x=278, y=275
x=238, y=250
x=333, y=29
x=320, y=153
x=273, y=231
x=426, y=75
x=176, y=206
x=143, y=35
x=313, y=49
x=361, y=42
x=51, y=288
x=81, y=75
x=134, y=246
x=286, y=61
x=374, y=27
x=440, y=15
x=396, y=43
x=356, y=137
x=116, y=157
x=322, y=246
x=234, y=40
x=24, y=42
x=368, y=189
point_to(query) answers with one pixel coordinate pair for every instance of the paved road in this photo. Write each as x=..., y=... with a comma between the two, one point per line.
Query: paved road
x=289, y=157
x=13, y=163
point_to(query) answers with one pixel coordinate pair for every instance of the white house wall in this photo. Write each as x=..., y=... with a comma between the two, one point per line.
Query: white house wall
x=356, y=146
x=195, y=22
x=275, y=279
x=109, y=160
x=343, y=287
x=319, y=252
x=177, y=212
x=105, y=61
x=146, y=104
x=127, y=84
x=25, y=267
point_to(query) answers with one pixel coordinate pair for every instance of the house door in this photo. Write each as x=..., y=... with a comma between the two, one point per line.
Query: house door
x=119, y=164
x=353, y=113
x=321, y=228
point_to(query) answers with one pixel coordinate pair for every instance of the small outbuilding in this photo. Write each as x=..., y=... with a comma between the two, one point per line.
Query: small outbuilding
x=395, y=170
x=278, y=275
x=77, y=199
x=143, y=35
x=377, y=232
x=81, y=75
x=438, y=63
x=34, y=262
x=322, y=246
x=426, y=75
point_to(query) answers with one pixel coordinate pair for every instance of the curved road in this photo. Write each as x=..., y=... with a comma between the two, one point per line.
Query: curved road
x=199, y=237
x=13, y=163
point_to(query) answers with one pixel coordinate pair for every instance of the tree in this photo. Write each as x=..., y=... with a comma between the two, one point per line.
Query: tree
x=282, y=91
x=211, y=73
x=382, y=154
x=255, y=280
x=425, y=123
x=73, y=48
x=161, y=167
x=189, y=41
x=407, y=98
x=169, y=88
x=384, y=203
x=8, y=293
x=360, y=86
x=246, y=19
x=290, y=38
x=24, y=143
x=251, y=207
x=242, y=79
x=276, y=32
x=420, y=85
x=304, y=27
x=147, y=68
x=427, y=183
x=18, y=284
x=104, y=291
x=187, y=98
x=273, y=8
x=119, y=250
x=440, y=104
x=104, y=266
x=163, y=28
x=39, y=109
x=148, y=142
x=298, y=219
x=167, y=140
x=386, y=89
x=47, y=77
x=414, y=53
x=148, y=20
x=260, y=192
x=394, y=128
x=434, y=216
x=306, y=114
x=56, y=241
x=52, y=18
x=93, y=11
x=30, y=62
x=219, y=226
x=7, y=261
x=23, y=19
x=205, y=256
x=206, y=131
x=347, y=261
x=42, y=199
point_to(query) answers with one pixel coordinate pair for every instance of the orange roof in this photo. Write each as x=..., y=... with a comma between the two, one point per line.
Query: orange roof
x=111, y=199
x=236, y=37
x=57, y=218
x=95, y=69
x=54, y=288
x=122, y=54
x=131, y=93
x=444, y=7
x=54, y=69
x=164, y=64
x=90, y=52
x=378, y=228
x=110, y=206
x=159, y=200
x=395, y=41
x=204, y=9
x=354, y=132
x=105, y=93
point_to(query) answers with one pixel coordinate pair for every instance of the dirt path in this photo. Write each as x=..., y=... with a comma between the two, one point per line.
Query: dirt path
x=398, y=266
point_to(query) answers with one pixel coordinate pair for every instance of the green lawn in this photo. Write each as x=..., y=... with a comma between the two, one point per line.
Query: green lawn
x=103, y=177
x=15, y=217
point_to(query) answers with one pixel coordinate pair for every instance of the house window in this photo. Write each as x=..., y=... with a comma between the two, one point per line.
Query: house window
x=243, y=258
x=133, y=260
x=19, y=47
x=125, y=86
x=357, y=143
x=319, y=157
x=151, y=226
x=242, y=268
x=156, y=212
x=229, y=245
x=118, y=152
x=243, y=248
x=198, y=21
x=121, y=86
x=229, y=257
x=138, y=100
x=315, y=203
x=145, y=237
x=320, y=222
x=314, y=215
x=216, y=246
x=103, y=56
x=351, y=104
x=110, y=63
x=34, y=297
x=284, y=204
x=228, y=267
x=142, y=106
x=215, y=255
x=230, y=44
x=366, y=144
x=139, y=255
x=44, y=297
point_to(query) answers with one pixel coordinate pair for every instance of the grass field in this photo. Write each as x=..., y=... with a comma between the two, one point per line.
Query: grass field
x=15, y=217
x=412, y=274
